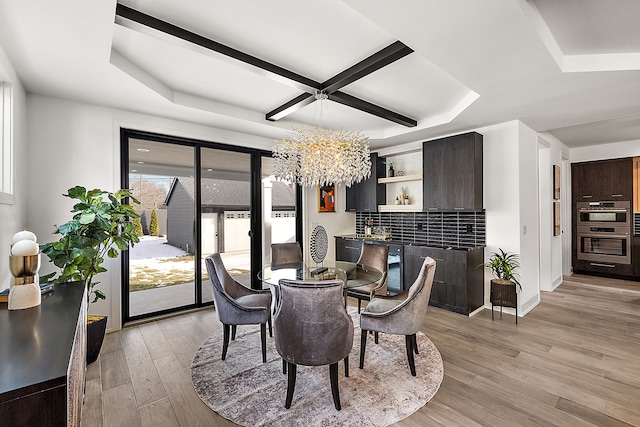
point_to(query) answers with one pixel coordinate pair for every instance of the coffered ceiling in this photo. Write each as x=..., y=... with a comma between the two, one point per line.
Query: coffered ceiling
x=569, y=67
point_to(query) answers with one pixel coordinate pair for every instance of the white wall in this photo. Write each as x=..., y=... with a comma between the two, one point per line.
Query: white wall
x=13, y=216
x=70, y=144
x=335, y=223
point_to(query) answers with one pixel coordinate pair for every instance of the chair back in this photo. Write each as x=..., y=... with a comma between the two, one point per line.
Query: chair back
x=418, y=296
x=225, y=292
x=311, y=325
x=285, y=254
x=376, y=256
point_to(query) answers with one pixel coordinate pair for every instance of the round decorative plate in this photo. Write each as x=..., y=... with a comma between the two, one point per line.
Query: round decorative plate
x=319, y=244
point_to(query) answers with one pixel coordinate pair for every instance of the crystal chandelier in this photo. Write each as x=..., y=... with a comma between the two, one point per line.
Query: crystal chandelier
x=321, y=156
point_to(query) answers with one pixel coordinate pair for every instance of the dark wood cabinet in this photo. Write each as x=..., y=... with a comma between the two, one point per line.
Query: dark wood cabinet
x=452, y=173
x=458, y=284
x=366, y=195
x=348, y=249
x=602, y=180
x=43, y=353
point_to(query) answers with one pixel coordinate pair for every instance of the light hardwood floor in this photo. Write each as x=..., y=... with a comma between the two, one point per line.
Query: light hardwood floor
x=573, y=360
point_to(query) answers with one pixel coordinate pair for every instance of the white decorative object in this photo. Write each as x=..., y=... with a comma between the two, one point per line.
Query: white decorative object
x=24, y=296
x=23, y=235
x=25, y=248
x=319, y=244
x=25, y=292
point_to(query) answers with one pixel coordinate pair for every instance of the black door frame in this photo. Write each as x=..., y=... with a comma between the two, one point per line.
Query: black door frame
x=256, y=212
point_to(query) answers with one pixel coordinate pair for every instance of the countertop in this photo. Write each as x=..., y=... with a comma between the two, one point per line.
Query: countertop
x=393, y=241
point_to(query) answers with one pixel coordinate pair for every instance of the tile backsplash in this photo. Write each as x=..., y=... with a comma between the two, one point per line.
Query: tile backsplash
x=442, y=229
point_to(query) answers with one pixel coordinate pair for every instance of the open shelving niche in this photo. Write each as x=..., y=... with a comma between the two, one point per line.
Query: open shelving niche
x=414, y=207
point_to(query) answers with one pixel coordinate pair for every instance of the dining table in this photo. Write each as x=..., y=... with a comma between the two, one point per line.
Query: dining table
x=351, y=274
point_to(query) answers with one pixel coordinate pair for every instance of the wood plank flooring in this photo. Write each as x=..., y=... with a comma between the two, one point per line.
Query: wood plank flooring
x=574, y=360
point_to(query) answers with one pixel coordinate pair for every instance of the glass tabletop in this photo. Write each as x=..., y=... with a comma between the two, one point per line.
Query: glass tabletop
x=352, y=274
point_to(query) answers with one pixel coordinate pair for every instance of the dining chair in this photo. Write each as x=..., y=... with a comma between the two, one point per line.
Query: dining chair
x=402, y=314
x=283, y=254
x=312, y=328
x=237, y=304
x=376, y=256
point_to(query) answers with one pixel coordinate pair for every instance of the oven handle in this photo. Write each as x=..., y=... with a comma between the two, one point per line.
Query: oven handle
x=613, y=236
x=603, y=210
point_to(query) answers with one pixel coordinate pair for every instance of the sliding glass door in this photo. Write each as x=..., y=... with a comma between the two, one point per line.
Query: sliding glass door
x=197, y=199
x=162, y=265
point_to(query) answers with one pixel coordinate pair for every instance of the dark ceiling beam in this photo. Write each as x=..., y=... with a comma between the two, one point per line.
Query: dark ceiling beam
x=271, y=70
x=359, y=104
x=384, y=57
x=331, y=87
x=290, y=107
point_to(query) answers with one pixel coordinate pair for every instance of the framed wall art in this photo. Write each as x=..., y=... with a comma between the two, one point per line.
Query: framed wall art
x=556, y=182
x=556, y=218
x=326, y=198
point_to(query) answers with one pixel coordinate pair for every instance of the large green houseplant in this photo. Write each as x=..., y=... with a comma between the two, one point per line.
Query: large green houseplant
x=101, y=226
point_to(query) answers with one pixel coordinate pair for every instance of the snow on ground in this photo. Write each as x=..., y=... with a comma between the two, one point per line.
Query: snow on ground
x=154, y=247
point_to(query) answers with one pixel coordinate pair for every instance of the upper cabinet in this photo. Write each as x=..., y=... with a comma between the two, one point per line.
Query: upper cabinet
x=366, y=195
x=602, y=180
x=452, y=173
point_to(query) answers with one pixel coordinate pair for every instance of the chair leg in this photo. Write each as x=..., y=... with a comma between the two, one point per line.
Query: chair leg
x=359, y=304
x=284, y=367
x=270, y=328
x=233, y=332
x=409, y=340
x=335, y=392
x=516, y=314
x=363, y=347
x=346, y=366
x=415, y=344
x=263, y=338
x=291, y=384
x=375, y=337
x=225, y=340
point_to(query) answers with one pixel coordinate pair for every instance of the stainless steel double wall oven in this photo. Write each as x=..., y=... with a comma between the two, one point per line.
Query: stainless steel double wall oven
x=604, y=232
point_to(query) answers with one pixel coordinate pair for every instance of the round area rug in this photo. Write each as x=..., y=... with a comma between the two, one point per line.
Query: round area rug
x=251, y=393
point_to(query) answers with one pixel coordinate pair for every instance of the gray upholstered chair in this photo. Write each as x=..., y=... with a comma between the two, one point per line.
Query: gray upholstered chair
x=402, y=314
x=283, y=254
x=312, y=328
x=237, y=304
x=375, y=256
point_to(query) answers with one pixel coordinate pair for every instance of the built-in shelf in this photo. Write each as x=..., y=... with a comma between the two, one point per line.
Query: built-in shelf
x=413, y=177
x=399, y=208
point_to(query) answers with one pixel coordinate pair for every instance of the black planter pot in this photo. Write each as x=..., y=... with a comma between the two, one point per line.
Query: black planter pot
x=391, y=173
x=95, y=336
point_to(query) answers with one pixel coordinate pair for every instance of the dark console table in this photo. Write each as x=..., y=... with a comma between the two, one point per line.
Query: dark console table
x=43, y=360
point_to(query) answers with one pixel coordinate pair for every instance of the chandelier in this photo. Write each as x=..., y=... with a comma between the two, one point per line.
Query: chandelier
x=321, y=156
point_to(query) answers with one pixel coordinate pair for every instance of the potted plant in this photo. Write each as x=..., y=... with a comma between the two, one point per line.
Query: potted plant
x=101, y=226
x=505, y=284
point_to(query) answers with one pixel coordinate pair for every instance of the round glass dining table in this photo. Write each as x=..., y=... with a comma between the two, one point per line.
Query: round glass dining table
x=352, y=274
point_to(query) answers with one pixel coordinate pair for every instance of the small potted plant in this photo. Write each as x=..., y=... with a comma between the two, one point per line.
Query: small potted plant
x=505, y=284
x=101, y=227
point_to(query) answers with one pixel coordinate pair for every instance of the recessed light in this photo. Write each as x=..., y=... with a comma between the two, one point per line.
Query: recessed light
x=134, y=170
x=141, y=163
x=142, y=150
x=209, y=170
